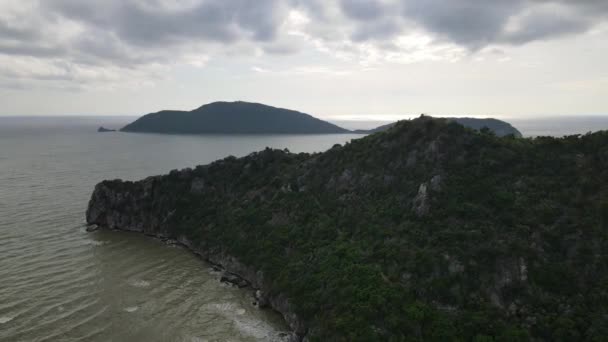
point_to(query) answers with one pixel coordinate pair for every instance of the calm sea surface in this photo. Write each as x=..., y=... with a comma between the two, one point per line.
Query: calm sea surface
x=60, y=283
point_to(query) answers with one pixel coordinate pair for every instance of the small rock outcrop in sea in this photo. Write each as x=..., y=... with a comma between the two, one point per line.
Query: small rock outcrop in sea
x=425, y=231
x=105, y=130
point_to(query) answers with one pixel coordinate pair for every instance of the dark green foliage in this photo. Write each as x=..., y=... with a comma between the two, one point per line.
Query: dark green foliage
x=512, y=246
x=497, y=127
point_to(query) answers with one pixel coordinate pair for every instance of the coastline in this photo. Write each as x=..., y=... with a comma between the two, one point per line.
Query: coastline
x=236, y=273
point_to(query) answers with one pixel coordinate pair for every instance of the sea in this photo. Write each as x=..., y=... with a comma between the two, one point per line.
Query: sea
x=61, y=283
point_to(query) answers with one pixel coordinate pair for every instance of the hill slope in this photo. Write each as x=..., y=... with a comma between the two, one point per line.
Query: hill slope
x=499, y=127
x=232, y=118
x=426, y=231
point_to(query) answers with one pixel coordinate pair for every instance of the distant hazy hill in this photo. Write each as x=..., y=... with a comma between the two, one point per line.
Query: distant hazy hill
x=500, y=128
x=233, y=118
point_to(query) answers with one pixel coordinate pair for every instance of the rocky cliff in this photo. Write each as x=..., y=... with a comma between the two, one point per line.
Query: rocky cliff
x=426, y=231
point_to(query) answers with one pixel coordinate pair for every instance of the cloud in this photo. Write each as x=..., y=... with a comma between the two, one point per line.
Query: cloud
x=475, y=24
x=546, y=20
x=471, y=23
x=140, y=37
x=126, y=36
x=363, y=9
x=153, y=23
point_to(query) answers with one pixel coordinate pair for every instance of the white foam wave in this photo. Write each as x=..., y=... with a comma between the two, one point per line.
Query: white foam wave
x=139, y=283
x=247, y=326
x=5, y=319
x=131, y=309
x=95, y=243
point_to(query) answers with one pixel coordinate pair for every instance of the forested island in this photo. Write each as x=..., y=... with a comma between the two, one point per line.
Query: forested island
x=232, y=118
x=425, y=231
x=499, y=127
x=256, y=118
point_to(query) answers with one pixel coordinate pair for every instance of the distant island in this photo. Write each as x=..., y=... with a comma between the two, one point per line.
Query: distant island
x=426, y=231
x=232, y=118
x=255, y=118
x=105, y=130
x=499, y=127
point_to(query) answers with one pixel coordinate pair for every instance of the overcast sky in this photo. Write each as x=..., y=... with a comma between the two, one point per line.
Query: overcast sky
x=351, y=58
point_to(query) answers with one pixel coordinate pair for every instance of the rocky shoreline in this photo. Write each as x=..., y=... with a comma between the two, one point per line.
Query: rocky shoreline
x=239, y=275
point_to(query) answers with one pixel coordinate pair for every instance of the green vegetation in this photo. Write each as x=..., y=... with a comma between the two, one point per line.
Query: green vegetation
x=500, y=128
x=232, y=118
x=428, y=231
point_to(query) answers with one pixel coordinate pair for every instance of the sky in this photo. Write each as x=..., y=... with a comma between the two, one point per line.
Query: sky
x=347, y=59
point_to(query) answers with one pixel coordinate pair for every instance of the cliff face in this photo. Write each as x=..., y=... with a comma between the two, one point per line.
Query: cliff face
x=427, y=231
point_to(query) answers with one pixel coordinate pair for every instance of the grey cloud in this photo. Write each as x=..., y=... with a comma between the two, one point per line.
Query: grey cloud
x=221, y=21
x=378, y=29
x=129, y=33
x=362, y=9
x=280, y=49
x=31, y=50
x=8, y=32
x=474, y=23
x=101, y=47
x=552, y=19
x=540, y=26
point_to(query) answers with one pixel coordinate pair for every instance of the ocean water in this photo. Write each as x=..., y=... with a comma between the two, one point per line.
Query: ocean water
x=559, y=125
x=60, y=283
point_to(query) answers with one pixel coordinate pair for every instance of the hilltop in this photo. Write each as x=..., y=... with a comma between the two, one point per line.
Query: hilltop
x=499, y=127
x=425, y=231
x=232, y=118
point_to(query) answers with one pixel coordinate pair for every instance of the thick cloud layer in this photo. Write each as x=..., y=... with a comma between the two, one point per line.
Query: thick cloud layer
x=72, y=36
x=477, y=23
x=154, y=23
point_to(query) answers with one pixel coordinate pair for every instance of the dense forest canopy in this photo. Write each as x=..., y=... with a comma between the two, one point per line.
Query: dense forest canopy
x=498, y=127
